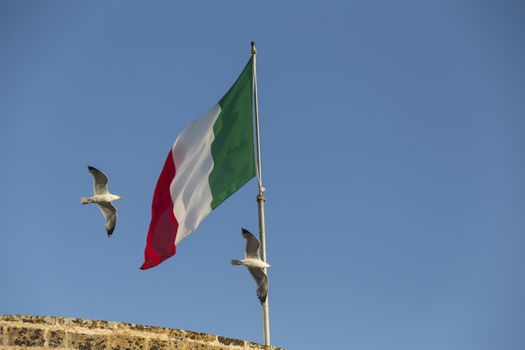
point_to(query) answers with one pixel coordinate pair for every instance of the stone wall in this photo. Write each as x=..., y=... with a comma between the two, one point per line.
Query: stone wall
x=58, y=333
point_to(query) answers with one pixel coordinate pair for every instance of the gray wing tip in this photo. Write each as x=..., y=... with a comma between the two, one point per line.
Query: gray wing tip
x=246, y=233
x=92, y=170
x=261, y=295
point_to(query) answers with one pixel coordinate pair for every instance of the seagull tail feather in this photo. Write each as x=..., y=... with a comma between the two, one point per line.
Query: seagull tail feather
x=236, y=262
x=85, y=200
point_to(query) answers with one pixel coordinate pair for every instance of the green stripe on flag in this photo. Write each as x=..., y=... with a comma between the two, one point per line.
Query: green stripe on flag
x=232, y=148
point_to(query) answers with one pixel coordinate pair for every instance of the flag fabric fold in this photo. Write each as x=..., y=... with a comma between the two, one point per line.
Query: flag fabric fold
x=209, y=161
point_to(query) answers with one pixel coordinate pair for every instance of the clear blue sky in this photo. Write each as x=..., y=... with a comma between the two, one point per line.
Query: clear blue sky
x=393, y=153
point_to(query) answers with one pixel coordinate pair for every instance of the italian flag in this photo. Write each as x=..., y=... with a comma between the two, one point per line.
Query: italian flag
x=210, y=160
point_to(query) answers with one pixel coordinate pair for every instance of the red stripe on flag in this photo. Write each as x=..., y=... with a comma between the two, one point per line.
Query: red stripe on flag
x=160, y=244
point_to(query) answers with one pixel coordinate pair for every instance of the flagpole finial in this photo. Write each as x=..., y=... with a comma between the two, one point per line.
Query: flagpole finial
x=254, y=49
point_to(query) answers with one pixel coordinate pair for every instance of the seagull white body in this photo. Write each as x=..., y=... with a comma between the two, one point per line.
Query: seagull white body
x=103, y=198
x=255, y=265
x=250, y=262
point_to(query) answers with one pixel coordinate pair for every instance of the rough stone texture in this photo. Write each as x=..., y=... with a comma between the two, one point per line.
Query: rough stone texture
x=156, y=344
x=227, y=341
x=56, y=339
x=79, y=322
x=47, y=332
x=177, y=334
x=126, y=342
x=28, y=337
x=30, y=319
x=199, y=336
x=87, y=342
x=179, y=346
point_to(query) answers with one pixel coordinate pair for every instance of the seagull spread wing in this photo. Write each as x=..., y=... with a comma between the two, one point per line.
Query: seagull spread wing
x=100, y=181
x=110, y=214
x=262, y=282
x=252, y=244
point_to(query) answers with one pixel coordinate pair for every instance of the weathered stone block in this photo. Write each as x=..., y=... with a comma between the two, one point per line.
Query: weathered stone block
x=38, y=319
x=142, y=328
x=10, y=317
x=89, y=324
x=155, y=344
x=177, y=334
x=105, y=325
x=126, y=342
x=56, y=339
x=25, y=336
x=70, y=322
x=87, y=342
x=259, y=346
x=228, y=341
x=29, y=319
x=200, y=336
x=196, y=346
x=179, y=346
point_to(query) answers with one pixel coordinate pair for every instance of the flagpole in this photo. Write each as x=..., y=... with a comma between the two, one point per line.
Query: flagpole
x=261, y=199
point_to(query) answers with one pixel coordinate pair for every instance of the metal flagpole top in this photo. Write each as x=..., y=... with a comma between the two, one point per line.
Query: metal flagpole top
x=256, y=114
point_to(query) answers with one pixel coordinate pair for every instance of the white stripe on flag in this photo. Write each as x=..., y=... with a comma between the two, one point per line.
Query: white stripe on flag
x=190, y=189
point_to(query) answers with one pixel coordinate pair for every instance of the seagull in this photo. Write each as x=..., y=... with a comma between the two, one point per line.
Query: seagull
x=255, y=265
x=103, y=198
